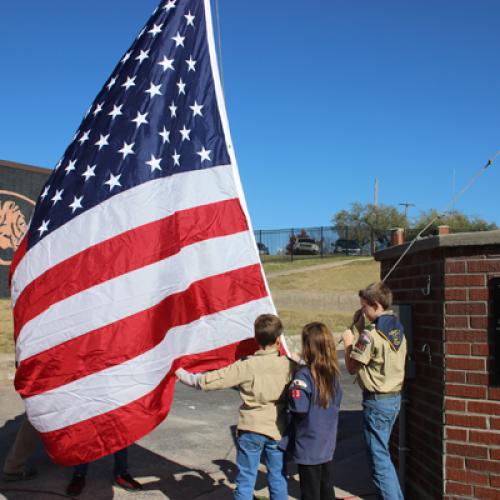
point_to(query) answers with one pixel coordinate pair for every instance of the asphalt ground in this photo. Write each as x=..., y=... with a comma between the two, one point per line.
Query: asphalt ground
x=191, y=455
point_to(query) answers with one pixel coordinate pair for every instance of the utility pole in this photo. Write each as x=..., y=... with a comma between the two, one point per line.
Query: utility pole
x=406, y=205
x=375, y=197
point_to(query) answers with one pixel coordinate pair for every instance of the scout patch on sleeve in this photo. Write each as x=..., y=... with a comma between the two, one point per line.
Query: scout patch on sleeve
x=298, y=384
x=363, y=341
x=295, y=394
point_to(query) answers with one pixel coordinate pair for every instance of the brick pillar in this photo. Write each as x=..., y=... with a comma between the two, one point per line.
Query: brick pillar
x=453, y=410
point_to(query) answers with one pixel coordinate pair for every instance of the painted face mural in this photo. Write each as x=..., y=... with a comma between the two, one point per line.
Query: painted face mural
x=13, y=224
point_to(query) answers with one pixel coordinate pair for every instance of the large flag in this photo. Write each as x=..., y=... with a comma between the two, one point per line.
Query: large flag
x=140, y=257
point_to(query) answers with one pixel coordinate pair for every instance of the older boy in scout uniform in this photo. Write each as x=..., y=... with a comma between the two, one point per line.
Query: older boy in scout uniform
x=378, y=359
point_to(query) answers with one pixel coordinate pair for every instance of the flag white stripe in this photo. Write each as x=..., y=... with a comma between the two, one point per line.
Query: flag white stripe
x=133, y=208
x=119, y=385
x=133, y=292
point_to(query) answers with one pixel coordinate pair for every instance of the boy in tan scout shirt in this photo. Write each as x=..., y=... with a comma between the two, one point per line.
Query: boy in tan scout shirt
x=378, y=359
x=262, y=380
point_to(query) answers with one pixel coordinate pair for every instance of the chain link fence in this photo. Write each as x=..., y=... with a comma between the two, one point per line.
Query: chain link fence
x=317, y=242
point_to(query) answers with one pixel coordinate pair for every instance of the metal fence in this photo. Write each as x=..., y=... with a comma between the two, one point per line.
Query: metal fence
x=314, y=242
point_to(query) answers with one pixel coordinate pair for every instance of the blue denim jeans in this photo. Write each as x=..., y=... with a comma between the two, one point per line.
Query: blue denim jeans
x=250, y=448
x=378, y=419
x=121, y=464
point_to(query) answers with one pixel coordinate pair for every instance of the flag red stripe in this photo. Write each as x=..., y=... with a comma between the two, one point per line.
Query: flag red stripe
x=107, y=433
x=131, y=250
x=120, y=341
x=18, y=256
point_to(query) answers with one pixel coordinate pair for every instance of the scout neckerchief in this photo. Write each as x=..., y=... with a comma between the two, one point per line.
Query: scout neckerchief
x=390, y=329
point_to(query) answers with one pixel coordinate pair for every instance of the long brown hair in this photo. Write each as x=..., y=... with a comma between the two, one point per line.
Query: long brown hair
x=320, y=355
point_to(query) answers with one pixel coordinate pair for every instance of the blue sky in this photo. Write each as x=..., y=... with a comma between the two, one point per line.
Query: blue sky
x=322, y=96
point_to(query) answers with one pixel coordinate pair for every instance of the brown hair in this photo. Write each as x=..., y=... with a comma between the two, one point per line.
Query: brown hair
x=267, y=328
x=320, y=355
x=377, y=292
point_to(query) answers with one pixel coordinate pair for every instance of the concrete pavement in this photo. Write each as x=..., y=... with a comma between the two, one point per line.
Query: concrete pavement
x=191, y=455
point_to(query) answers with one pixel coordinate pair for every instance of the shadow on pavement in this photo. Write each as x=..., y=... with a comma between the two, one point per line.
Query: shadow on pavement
x=156, y=473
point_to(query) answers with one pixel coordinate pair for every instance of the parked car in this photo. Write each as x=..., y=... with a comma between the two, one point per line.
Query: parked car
x=347, y=247
x=305, y=246
x=263, y=250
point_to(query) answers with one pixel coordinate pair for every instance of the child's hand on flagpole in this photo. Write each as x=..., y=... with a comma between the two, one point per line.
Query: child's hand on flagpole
x=191, y=379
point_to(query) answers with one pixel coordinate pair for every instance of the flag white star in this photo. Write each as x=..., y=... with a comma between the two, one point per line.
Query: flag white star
x=45, y=193
x=126, y=57
x=111, y=83
x=129, y=83
x=44, y=227
x=204, y=154
x=58, y=196
x=143, y=55
x=185, y=133
x=70, y=167
x=89, y=172
x=127, y=149
x=173, y=109
x=191, y=63
x=154, y=90
x=156, y=29
x=103, y=141
x=179, y=40
x=166, y=63
x=113, y=181
x=84, y=137
x=154, y=163
x=196, y=109
x=98, y=108
x=77, y=203
x=140, y=119
x=117, y=111
x=189, y=18
x=181, y=86
x=165, y=134
x=170, y=5
x=176, y=158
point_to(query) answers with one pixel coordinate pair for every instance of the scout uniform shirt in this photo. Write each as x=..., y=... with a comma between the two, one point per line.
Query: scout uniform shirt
x=381, y=350
x=263, y=382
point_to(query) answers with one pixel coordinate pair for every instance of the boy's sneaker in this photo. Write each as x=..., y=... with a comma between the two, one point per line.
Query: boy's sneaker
x=24, y=475
x=127, y=482
x=76, y=485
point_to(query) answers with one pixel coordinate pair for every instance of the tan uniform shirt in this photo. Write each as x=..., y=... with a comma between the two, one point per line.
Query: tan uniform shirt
x=263, y=382
x=383, y=368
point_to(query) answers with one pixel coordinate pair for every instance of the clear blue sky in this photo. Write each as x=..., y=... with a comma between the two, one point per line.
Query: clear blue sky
x=323, y=96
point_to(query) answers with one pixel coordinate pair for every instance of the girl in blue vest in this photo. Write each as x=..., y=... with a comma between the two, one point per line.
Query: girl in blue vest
x=314, y=405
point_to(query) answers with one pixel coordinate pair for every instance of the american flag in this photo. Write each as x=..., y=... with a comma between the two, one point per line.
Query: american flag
x=140, y=257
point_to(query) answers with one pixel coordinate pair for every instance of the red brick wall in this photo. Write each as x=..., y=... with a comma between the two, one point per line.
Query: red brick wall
x=472, y=430
x=453, y=410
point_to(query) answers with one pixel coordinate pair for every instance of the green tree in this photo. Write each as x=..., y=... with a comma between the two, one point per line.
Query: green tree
x=456, y=220
x=369, y=223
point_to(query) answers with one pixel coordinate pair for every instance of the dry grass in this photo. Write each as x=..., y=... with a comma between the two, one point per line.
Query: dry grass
x=274, y=264
x=6, y=327
x=327, y=295
x=348, y=278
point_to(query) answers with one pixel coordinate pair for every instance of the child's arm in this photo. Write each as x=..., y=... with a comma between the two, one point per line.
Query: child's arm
x=231, y=376
x=358, y=355
x=299, y=399
x=191, y=379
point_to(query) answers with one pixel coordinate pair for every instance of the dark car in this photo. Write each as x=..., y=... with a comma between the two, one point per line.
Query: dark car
x=263, y=250
x=347, y=247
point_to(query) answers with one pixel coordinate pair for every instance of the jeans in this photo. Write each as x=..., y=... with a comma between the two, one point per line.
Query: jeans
x=378, y=419
x=250, y=448
x=121, y=464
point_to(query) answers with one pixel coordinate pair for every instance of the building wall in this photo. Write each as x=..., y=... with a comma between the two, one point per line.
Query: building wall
x=453, y=409
x=20, y=186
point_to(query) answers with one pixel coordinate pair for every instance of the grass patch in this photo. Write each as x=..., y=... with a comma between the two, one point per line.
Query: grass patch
x=293, y=321
x=272, y=263
x=6, y=326
x=349, y=278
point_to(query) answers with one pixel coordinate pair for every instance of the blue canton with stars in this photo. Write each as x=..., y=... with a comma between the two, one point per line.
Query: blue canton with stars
x=156, y=116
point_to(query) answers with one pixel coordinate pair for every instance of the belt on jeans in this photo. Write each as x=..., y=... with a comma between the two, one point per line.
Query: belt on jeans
x=380, y=395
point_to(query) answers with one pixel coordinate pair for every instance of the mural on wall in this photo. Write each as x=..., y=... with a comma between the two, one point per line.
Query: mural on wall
x=13, y=223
